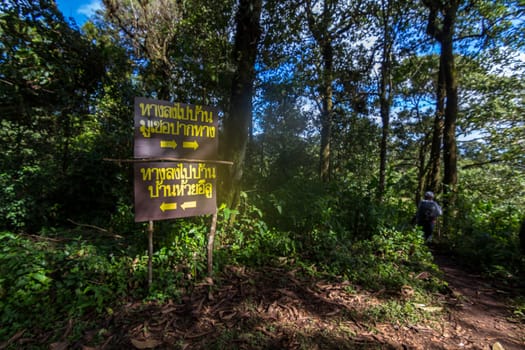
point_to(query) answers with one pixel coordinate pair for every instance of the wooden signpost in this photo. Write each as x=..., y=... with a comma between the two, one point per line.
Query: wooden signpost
x=175, y=146
x=166, y=190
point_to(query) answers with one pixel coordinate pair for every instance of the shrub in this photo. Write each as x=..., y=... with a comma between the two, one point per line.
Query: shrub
x=391, y=259
x=53, y=282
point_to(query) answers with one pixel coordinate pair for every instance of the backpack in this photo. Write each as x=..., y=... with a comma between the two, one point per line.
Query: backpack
x=427, y=211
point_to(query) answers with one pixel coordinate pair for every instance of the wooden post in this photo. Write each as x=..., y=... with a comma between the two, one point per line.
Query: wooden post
x=211, y=239
x=150, y=253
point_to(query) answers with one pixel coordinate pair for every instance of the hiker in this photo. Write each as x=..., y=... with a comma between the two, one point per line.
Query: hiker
x=427, y=212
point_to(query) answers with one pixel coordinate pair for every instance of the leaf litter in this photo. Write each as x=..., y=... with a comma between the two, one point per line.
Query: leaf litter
x=278, y=308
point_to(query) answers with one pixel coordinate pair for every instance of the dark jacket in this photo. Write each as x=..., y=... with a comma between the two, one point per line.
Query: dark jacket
x=427, y=211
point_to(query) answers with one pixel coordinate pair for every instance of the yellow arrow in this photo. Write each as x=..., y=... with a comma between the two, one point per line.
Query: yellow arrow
x=186, y=205
x=168, y=206
x=190, y=144
x=168, y=144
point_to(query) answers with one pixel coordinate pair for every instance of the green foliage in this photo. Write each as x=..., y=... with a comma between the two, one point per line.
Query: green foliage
x=65, y=107
x=320, y=214
x=60, y=279
x=248, y=239
x=489, y=215
x=66, y=104
x=188, y=45
x=25, y=283
x=389, y=258
x=518, y=306
x=14, y=210
x=53, y=282
x=52, y=168
x=25, y=187
x=397, y=312
x=392, y=259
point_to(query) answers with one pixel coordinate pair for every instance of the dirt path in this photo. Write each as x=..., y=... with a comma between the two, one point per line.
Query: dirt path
x=279, y=308
x=479, y=310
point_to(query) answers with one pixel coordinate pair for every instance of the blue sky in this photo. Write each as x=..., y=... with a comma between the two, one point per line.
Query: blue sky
x=80, y=10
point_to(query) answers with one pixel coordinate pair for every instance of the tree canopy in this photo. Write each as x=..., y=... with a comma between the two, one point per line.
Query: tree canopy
x=358, y=83
x=337, y=115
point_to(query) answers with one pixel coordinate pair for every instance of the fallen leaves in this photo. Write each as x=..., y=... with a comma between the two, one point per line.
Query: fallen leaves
x=275, y=308
x=145, y=344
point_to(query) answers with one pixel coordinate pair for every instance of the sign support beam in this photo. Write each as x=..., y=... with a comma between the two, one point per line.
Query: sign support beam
x=150, y=253
x=211, y=240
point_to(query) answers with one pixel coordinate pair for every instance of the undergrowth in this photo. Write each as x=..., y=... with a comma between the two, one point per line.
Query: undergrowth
x=73, y=276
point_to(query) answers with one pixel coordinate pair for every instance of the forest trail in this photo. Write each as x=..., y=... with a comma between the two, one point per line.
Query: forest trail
x=479, y=310
x=282, y=308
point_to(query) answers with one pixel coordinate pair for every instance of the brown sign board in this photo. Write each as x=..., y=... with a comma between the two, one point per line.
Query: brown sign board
x=168, y=190
x=175, y=130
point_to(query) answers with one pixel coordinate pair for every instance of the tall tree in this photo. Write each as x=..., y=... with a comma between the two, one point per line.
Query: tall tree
x=237, y=122
x=470, y=28
x=319, y=26
x=180, y=48
x=329, y=21
x=48, y=72
x=393, y=20
x=415, y=86
x=150, y=28
x=433, y=179
x=44, y=87
x=385, y=90
x=496, y=101
x=441, y=26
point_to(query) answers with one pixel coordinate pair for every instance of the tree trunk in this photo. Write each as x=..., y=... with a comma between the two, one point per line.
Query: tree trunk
x=434, y=175
x=422, y=164
x=444, y=33
x=238, y=120
x=385, y=100
x=320, y=29
x=66, y=123
x=450, y=177
x=421, y=170
x=522, y=237
x=326, y=114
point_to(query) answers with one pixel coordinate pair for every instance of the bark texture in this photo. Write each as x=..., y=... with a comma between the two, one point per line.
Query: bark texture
x=238, y=120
